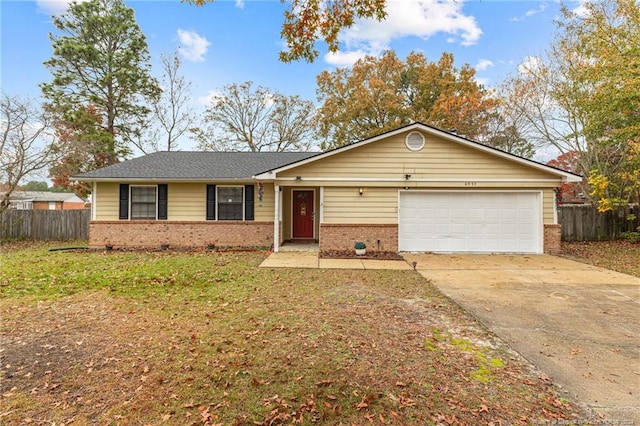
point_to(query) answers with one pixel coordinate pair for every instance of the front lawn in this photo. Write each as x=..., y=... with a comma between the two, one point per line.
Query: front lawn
x=620, y=255
x=206, y=338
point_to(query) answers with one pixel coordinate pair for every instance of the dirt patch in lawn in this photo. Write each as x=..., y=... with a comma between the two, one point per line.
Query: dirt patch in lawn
x=225, y=342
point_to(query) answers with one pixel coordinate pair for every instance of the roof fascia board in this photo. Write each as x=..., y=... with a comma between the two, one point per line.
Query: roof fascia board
x=412, y=180
x=164, y=180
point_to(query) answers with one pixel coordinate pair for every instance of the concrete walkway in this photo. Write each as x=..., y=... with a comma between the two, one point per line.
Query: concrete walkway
x=305, y=259
x=577, y=323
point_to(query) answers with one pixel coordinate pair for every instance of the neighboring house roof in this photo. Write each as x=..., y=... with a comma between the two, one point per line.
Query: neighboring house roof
x=195, y=165
x=566, y=176
x=44, y=196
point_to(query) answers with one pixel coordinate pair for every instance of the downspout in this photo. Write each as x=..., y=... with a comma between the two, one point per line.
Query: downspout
x=276, y=218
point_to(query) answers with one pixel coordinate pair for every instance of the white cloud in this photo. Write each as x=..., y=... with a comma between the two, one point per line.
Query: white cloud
x=344, y=59
x=207, y=99
x=194, y=46
x=530, y=65
x=581, y=10
x=483, y=65
x=54, y=7
x=530, y=12
x=405, y=18
x=240, y=4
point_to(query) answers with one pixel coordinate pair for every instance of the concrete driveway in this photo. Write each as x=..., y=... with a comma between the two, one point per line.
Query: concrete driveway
x=578, y=323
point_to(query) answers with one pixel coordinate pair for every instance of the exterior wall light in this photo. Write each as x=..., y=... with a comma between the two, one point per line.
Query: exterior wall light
x=298, y=179
x=361, y=191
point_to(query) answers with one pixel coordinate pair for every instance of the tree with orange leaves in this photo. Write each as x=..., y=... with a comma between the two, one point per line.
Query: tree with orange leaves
x=380, y=94
x=82, y=145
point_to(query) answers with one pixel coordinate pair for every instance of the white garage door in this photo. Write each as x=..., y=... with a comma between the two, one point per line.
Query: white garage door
x=488, y=222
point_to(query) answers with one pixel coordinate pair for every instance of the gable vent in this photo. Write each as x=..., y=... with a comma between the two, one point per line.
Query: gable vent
x=414, y=141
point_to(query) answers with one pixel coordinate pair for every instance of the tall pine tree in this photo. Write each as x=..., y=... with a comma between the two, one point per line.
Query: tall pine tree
x=100, y=62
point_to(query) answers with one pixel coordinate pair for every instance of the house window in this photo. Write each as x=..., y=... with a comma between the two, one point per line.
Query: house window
x=230, y=202
x=143, y=202
x=20, y=205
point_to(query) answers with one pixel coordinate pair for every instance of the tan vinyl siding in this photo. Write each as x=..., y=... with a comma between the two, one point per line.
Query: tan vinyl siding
x=548, y=215
x=390, y=158
x=264, y=209
x=380, y=205
x=345, y=205
x=187, y=201
x=106, y=200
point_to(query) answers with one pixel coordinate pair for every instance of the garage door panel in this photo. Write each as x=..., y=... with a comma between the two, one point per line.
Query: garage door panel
x=470, y=222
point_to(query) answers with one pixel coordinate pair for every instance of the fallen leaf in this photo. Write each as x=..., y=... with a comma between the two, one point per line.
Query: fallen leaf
x=361, y=405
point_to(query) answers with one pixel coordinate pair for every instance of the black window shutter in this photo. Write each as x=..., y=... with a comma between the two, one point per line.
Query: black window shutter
x=124, y=201
x=162, y=201
x=211, y=202
x=248, y=202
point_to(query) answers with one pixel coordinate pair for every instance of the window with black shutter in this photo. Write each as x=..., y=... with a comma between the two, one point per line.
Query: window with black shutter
x=211, y=202
x=248, y=202
x=230, y=202
x=163, y=201
x=143, y=203
x=123, y=213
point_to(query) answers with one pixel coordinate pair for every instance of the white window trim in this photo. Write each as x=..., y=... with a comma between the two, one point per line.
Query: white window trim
x=131, y=200
x=218, y=202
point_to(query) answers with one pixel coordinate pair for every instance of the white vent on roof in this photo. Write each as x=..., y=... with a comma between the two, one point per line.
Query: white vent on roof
x=414, y=141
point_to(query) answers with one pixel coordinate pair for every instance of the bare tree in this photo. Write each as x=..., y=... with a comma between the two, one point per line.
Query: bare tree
x=173, y=115
x=26, y=145
x=243, y=119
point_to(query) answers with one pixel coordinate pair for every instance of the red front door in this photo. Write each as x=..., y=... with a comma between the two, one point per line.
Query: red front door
x=303, y=214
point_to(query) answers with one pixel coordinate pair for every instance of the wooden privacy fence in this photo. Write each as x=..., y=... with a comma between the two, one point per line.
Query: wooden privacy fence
x=585, y=223
x=45, y=225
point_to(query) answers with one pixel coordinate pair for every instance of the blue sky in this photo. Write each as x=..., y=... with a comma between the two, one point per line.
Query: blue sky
x=232, y=41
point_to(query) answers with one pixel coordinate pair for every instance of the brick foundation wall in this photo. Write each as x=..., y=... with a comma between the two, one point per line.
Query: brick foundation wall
x=339, y=236
x=151, y=234
x=552, y=238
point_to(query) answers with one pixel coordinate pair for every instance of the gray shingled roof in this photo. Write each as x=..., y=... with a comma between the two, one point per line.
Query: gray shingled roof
x=44, y=196
x=183, y=165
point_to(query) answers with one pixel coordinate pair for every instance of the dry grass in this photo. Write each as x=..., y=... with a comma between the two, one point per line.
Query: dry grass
x=621, y=256
x=208, y=338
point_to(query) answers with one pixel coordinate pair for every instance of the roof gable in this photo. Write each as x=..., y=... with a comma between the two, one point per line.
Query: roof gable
x=491, y=156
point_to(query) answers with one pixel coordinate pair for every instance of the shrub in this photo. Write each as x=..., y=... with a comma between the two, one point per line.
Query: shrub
x=632, y=237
